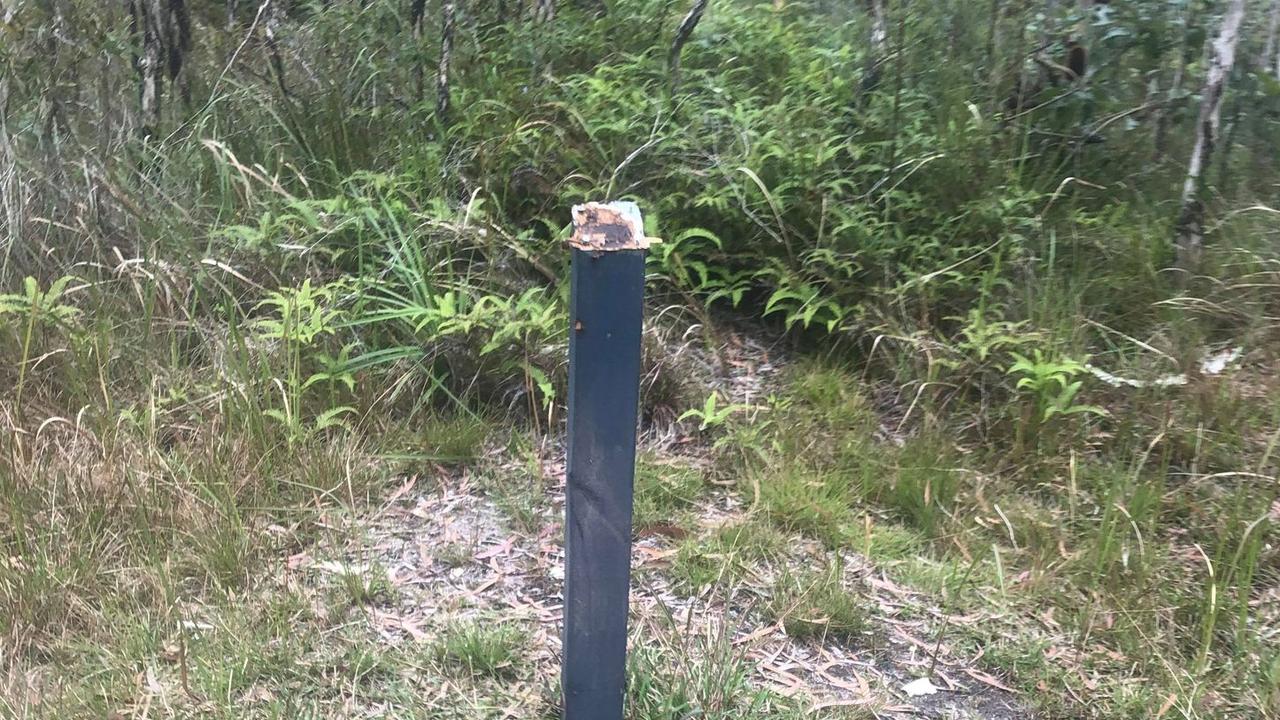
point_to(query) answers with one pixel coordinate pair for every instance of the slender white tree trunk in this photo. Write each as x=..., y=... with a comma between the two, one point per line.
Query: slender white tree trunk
x=146, y=18
x=448, y=15
x=1270, y=59
x=10, y=190
x=879, y=43
x=879, y=28
x=1222, y=56
x=992, y=53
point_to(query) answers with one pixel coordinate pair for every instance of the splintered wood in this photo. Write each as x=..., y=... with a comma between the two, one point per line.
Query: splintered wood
x=608, y=226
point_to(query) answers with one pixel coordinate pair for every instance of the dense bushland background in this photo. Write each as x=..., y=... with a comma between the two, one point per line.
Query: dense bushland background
x=258, y=258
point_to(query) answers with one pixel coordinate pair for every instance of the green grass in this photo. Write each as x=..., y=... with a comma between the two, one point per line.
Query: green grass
x=702, y=677
x=162, y=547
x=481, y=648
x=725, y=554
x=814, y=504
x=818, y=605
x=665, y=491
x=1104, y=545
x=454, y=439
x=368, y=585
x=887, y=542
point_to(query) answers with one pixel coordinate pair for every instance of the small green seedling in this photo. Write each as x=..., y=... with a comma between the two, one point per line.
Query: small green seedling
x=712, y=414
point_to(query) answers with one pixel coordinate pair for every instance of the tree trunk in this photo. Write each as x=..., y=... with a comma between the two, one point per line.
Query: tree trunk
x=879, y=44
x=145, y=22
x=6, y=149
x=1222, y=56
x=274, y=15
x=1270, y=59
x=682, y=36
x=417, y=12
x=991, y=53
x=178, y=45
x=896, y=115
x=448, y=14
x=10, y=199
x=545, y=11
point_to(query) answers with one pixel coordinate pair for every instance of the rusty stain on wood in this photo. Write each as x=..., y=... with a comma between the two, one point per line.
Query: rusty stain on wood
x=609, y=226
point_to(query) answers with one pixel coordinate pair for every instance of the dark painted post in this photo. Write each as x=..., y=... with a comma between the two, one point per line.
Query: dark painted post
x=605, y=310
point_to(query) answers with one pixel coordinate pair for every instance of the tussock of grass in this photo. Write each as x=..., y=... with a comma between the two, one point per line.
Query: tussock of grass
x=887, y=542
x=367, y=585
x=818, y=605
x=833, y=398
x=454, y=438
x=921, y=487
x=664, y=490
x=725, y=554
x=702, y=677
x=818, y=505
x=478, y=648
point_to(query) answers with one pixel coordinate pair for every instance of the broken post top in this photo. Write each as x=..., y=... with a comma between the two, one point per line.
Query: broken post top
x=608, y=226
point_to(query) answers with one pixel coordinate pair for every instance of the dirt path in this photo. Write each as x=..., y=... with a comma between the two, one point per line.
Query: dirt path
x=423, y=542
x=453, y=553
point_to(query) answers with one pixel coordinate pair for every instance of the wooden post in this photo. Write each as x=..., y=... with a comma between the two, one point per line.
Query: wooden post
x=605, y=314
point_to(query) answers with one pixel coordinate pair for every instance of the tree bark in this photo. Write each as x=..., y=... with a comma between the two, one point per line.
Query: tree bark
x=1190, y=229
x=896, y=115
x=178, y=45
x=682, y=36
x=145, y=23
x=879, y=44
x=992, y=52
x=5, y=147
x=448, y=16
x=274, y=15
x=417, y=13
x=10, y=200
x=1270, y=59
